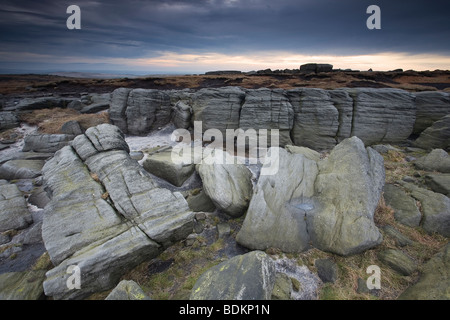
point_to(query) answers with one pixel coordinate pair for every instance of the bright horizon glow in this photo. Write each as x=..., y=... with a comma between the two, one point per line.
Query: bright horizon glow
x=202, y=62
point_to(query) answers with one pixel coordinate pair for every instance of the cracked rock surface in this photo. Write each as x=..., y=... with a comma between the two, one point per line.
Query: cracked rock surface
x=106, y=214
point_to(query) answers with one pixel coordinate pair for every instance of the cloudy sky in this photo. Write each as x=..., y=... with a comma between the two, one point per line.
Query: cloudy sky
x=161, y=36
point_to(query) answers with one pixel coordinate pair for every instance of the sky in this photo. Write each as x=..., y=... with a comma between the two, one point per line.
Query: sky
x=160, y=36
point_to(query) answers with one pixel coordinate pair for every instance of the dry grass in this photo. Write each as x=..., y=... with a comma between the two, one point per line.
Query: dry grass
x=51, y=120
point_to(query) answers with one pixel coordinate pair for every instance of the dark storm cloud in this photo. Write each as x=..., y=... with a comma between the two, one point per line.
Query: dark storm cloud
x=137, y=28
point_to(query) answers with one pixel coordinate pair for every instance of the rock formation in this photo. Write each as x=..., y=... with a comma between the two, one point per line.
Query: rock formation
x=105, y=214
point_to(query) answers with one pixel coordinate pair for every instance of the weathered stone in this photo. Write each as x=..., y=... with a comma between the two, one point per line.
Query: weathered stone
x=200, y=202
x=276, y=214
x=147, y=110
x=21, y=169
x=182, y=114
x=267, y=109
x=398, y=261
x=436, y=160
x=439, y=182
x=282, y=288
x=162, y=165
x=343, y=102
x=316, y=119
x=43, y=103
x=8, y=120
x=405, y=209
x=229, y=186
x=399, y=238
x=72, y=127
x=22, y=285
x=348, y=188
x=14, y=212
x=327, y=270
x=436, y=136
x=95, y=107
x=382, y=115
x=106, y=214
x=431, y=106
x=246, y=277
x=218, y=108
x=46, y=142
x=104, y=137
x=434, y=281
x=118, y=107
x=76, y=105
x=127, y=290
x=435, y=209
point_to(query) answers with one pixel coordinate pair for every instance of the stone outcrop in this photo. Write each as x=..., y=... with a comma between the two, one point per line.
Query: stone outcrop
x=14, y=212
x=436, y=136
x=431, y=106
x=105, y=214
x=314, y=118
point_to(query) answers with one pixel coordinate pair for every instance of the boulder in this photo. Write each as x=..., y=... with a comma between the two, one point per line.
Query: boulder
x=22, y=285
x=106, y=214
x=436, y=160
x=431, y=106
x=282, y=287
x=398, y=261
x=21, y=169
x=46, y=142
x=200, y=202
x=127, y=290
x=43, y=103
x=435, y=136
x=347, y=190
x=104, y=137
x=229, y=186
x=161, y=165
x=400, y=239
x=245, y=277
x=327, y=270
x=434, y=279
x=72, y=127
x=439, y=182
x=435, y=209
x=95, y=107
x=316, y=68
x=14, y=212
x=76, y=105
x=405, y=208
x=277, y=210
x=8, y=120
